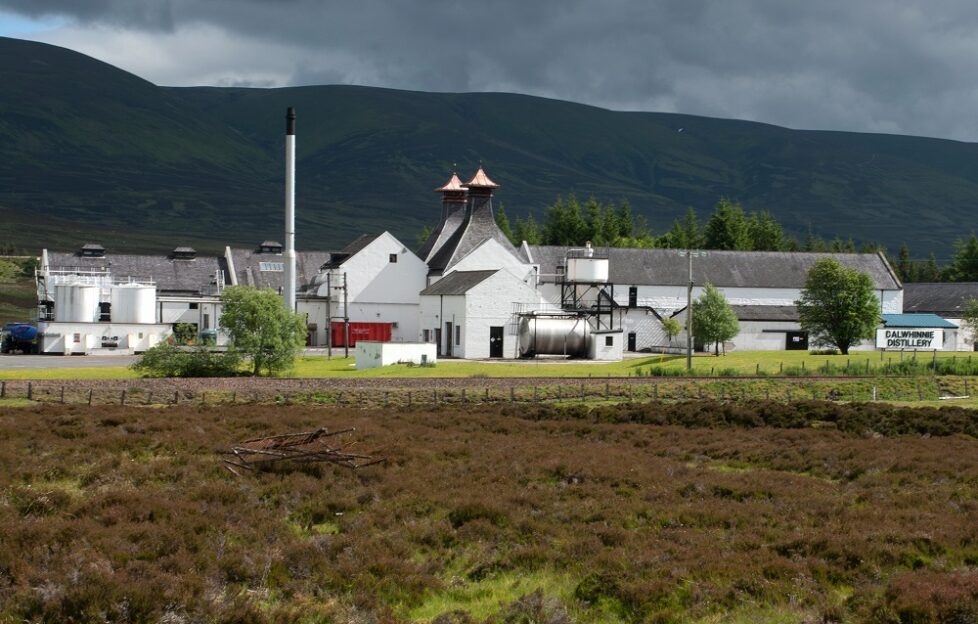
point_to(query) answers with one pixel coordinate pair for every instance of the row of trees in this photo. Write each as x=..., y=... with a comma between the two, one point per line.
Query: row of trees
x=570, y=222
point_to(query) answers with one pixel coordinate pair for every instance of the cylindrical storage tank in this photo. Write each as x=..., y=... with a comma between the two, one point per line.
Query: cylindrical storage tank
x=76, y=303
x=133, y=303
x=542, y=335
x=587, y=270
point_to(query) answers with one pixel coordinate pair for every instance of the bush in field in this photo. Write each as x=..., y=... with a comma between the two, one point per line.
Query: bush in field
x=261, y=329
x=166, y=360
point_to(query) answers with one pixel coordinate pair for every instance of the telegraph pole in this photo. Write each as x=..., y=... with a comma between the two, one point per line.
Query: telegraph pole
x=689, y=253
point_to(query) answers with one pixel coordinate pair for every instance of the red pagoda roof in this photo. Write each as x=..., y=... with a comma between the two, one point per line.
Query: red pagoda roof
x=453, y=185
x=481, y=180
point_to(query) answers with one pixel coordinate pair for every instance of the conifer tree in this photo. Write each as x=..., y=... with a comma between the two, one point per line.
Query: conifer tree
x=502, y=221
x=727, y=227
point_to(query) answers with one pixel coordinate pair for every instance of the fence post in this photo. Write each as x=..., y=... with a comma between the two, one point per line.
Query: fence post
x=607, y=390
x=875, y=394
x=757, y=369
x=234, y=397
x=559, y=393
x=487, y=394
x=62, y=395
x=781, y=367
x=176, y=397
x=409, y=397
x=535, y=398
x=122, y=397
x=920, y=392
x=789, y=394
x=3, y=389
x=149, y=399
x=387, y=398
x=203, y=397
x=464, y=400
x=582, y=391
x=434, y=395
x=512, y=394
x=767, y=394
x=966, y=387
x=655, y=391
x=30, y=390
x=89, y=397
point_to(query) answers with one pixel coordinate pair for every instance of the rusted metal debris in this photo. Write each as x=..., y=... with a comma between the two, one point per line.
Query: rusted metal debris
x=303, y=447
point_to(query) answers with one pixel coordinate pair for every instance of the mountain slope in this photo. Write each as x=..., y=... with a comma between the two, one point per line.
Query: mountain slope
x=85, y=143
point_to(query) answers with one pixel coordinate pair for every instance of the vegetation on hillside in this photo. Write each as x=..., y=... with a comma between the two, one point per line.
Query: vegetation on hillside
x=188, y=156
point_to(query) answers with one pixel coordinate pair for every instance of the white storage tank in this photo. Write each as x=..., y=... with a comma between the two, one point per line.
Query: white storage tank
x=586, y=268
x=76, y=303
x=133, y=303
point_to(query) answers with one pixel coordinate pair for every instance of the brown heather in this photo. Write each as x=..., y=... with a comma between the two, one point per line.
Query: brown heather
x=640, y=512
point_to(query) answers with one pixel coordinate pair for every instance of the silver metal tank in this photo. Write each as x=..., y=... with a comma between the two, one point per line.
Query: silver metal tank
x=542, y=335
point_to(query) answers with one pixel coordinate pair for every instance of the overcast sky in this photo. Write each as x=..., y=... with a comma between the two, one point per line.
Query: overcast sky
x=907, y=67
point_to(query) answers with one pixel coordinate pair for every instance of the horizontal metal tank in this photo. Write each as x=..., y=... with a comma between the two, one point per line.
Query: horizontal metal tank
x=588, y=270
x=76, y=303
x=543, y=335
x=133, y=303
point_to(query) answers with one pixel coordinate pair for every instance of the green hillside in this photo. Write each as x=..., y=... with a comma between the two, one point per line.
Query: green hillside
x=89, y=152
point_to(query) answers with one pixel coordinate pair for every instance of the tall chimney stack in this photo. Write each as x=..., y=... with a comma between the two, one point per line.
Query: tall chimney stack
x=289, y=290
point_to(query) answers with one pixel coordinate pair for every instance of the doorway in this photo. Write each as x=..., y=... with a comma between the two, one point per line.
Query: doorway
x=796, y=341
x=495, y=342
x=632, y=342
x=448, y=339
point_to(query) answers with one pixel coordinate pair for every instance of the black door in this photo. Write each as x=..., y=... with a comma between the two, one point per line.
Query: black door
x=448, y=339
x=495, y=342
x=438, y=341
x=632, y=296
x=796, y=341
x=632, y=342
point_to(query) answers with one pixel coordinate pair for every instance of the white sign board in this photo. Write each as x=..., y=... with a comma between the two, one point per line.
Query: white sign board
x=910, y=338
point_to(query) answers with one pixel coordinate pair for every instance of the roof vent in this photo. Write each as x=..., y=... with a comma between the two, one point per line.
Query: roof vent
x=92, y=250
x=184, y=253
x=270, y=246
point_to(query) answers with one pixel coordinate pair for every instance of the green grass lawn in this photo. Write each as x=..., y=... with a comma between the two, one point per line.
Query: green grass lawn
x=743, y=363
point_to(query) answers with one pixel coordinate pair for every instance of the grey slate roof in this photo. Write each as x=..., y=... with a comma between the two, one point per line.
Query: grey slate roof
x=449, y=224
x=947, y=299
x=170, y=275
x=248, y=269
x=337, y=258
x=458, y=282
x=744, y=269
x=478, y=226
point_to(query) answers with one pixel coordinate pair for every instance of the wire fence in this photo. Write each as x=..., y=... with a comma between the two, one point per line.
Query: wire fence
x=909, y=389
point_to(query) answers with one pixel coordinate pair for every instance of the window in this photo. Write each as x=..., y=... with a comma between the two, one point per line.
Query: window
x=632, y=296
x=271, y=266
x=207, y=321
x=393, y=257
x=194, y=306
x=458, y=335
x=426, y=335
x=609, y=341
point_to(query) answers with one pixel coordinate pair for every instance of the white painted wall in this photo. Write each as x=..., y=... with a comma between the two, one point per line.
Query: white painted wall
x=379, y=291
x=492, y=255
x=370, y=354
x=73, y=338
x=373, y=278
x=961, y=339
x=600, y=350
x=494, y=303
x=491, y=303
x=647, y=328
x=671, y=298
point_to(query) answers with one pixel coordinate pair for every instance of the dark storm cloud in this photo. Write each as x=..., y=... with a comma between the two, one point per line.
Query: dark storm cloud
x=886, y=66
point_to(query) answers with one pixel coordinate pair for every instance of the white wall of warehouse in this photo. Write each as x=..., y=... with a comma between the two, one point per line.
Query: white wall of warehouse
x=492, y=303
x=129, y=337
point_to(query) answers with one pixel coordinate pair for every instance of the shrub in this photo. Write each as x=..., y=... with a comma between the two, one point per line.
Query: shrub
x=166, y=360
